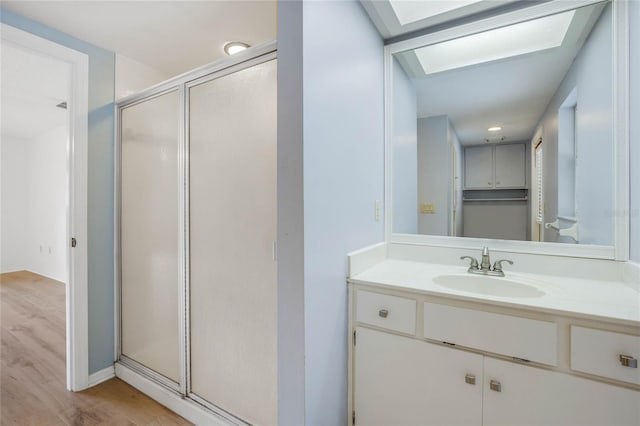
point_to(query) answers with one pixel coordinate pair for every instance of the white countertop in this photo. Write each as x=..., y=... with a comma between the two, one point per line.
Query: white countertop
x=594, y=299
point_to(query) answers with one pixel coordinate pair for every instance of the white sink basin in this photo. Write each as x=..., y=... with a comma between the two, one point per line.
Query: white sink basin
x=489, y=286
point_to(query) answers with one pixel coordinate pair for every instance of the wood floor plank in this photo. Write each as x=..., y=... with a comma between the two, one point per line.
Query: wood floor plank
x=32, y=366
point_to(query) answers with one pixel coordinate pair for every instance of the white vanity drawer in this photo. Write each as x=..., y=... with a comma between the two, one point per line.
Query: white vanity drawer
x=524, y=338
x=382, y=310
x=598, y=352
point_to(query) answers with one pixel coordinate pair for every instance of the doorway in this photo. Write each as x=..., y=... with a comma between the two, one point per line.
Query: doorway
x=537, y=233
x=44, y=170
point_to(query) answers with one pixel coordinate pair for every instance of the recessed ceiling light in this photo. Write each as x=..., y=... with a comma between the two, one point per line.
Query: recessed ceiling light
x=412, y=11
x=513, y=40
x=235, y=47
x=494, y=128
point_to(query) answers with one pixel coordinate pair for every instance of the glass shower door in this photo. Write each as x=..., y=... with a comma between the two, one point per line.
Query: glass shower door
x=149, y=235
x=232, y=157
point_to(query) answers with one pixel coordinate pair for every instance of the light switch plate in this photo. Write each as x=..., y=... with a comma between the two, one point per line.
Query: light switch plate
x=429, y=208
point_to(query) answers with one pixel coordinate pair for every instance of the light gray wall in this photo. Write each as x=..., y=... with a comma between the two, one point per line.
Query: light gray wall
x=343, y=176
x=434, y=174
x=291, y=345
x=634, y=93
x=591, y=73
x=100, y=188
x=404, y=155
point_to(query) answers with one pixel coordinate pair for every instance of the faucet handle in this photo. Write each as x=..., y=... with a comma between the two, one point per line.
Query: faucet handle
x=473, y=264
x=497, y=267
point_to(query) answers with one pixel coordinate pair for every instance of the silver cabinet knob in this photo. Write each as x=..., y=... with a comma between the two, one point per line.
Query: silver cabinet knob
x=495, y=385
x=383, y=313
x=628, y=361
x=470, y=379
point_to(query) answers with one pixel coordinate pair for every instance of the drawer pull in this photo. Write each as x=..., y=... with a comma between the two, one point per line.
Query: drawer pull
x=628, y=361
x=383, y=313
x=495, y=385
x=470, y=379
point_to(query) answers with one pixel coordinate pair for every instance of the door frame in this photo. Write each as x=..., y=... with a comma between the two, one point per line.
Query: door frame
x=76, y=294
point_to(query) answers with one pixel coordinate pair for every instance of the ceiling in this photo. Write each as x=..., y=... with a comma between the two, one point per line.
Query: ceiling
x=393, y=18
x=170, y=36
x=32, y=86
x=511, y=93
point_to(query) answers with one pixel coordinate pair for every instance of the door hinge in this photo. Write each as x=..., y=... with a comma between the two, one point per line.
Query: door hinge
x=353, y=417
x=354, y=337
x=73, y=242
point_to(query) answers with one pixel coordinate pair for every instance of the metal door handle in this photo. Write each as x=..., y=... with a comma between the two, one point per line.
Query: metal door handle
x=495, y=385
x=470, y=379
x=383, y=313
x=628, y=361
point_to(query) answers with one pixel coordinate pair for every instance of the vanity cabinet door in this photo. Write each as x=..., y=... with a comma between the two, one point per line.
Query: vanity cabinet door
x=533, y=396
x=405, y=381
x=478, y=167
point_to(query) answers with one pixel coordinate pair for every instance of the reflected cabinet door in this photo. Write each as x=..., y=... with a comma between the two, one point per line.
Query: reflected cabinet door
x=232, y=154
x=149, y=234
x=478, y=167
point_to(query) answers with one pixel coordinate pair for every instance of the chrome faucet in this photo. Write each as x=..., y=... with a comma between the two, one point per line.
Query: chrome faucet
x=484, y=268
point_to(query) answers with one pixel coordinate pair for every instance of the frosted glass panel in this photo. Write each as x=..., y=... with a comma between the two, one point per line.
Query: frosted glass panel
x=233, y=227
x=149, y=223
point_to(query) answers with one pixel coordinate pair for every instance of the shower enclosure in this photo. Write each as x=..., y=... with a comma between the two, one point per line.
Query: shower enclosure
x=196, y=230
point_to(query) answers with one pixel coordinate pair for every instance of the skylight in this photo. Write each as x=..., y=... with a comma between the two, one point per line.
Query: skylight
x=513, y=40
x=408, y=11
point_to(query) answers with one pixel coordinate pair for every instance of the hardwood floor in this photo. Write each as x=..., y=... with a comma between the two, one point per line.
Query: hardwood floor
x=32, y=366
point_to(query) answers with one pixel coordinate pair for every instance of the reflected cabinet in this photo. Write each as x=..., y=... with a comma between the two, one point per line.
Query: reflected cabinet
x=197, y=230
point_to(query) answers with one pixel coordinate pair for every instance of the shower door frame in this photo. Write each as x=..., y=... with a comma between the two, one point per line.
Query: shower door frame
x=176, y=396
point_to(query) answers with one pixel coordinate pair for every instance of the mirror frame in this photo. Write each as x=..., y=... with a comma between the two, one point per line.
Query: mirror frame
x=619, y=250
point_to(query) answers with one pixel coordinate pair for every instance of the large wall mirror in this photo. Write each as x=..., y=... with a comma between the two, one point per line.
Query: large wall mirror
x=512, y=129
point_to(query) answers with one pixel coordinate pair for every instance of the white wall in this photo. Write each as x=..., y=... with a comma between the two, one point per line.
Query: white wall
x=34, y=203
x=634, y=19
x=14, y=204
x=133, y=76
x=435, y=172
x=592, y=75
x=405, y=153
x=343, y=177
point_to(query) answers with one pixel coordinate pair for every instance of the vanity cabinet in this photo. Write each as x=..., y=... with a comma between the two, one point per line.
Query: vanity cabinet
x=495, y=166
x=534, y=396
x=404, y=381
x=419, y=360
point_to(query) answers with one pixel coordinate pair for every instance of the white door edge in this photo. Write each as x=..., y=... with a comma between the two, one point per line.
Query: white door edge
x=77, y=337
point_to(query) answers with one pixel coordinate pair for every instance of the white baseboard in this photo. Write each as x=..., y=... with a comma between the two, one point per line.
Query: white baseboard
x=12, y=270
x=101, y=376
x=186, y=408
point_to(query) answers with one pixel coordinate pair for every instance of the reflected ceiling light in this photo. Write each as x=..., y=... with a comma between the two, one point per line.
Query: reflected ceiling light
x=412, y=11
x=494, y=128
x=235, y=47
x=513, y=40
